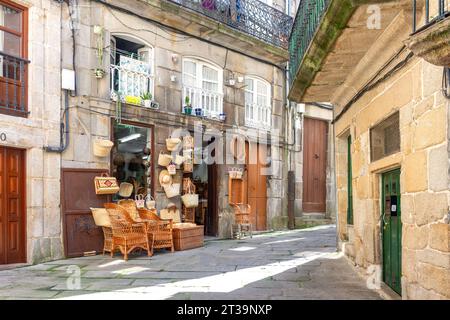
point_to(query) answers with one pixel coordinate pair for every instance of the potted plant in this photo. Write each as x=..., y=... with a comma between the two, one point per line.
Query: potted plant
x=187, y=105
x=147, y=99
x=198, y=111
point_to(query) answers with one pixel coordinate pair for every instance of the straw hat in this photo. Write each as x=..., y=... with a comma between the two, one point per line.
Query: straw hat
x=126, y=189
x=165, y=178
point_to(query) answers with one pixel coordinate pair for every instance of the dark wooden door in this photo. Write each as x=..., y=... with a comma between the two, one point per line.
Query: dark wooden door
x=12, y=206
x=392, y=230
x=314, y=165
x=256, y=184
x=78, y=196
x=212, y=217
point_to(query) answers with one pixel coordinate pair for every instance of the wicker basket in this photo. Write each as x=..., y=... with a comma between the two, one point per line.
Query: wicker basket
x=164, y=159
x=126, y=189
x=172, y=190
x=102, y=147
x=190, y=198
x=173, y=144
x=172, y=169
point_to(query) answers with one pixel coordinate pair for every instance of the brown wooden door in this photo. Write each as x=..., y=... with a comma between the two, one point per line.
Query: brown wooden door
x=78, y=196
x=314, y=165
x=12, y=206
x=256, y=185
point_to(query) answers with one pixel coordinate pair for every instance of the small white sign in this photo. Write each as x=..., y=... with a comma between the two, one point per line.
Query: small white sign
x=394, y=208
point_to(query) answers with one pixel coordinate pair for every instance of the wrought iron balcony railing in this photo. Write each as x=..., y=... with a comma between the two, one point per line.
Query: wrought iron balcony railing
x=435, y=11
x=308, y=18
x=208, y=103
x=129, y=81
x=249, y=16
x=13, y=85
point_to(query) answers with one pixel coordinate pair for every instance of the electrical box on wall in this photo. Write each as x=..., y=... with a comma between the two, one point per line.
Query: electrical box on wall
x=68, y=79
x=301, y=107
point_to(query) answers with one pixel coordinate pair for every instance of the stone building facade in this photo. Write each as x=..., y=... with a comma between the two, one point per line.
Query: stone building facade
x=93, y=108
x=391, y=124
x=30, y=115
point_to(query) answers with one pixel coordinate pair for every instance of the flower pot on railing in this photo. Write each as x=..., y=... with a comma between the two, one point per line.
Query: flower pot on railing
x=222, y=117
x=198, y=112
x=187, y=110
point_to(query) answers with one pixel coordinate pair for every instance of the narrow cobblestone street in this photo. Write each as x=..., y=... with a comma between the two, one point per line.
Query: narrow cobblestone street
x=300, y=264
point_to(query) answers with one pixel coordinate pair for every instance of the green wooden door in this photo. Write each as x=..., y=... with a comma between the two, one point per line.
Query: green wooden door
x=392, y=230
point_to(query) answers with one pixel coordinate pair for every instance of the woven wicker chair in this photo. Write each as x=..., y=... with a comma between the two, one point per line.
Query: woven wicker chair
x=107, y=240
x=127, y=235
x=242, y=220
x=160, y=230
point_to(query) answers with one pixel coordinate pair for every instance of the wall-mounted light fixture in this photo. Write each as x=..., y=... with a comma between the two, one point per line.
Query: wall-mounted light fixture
x=174, y=58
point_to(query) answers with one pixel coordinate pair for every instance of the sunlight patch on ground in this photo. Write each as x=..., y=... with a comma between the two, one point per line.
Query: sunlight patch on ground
x=242, y=249
x=129, y=271
x=221, y=283
x=112, y=263
x=284, y=241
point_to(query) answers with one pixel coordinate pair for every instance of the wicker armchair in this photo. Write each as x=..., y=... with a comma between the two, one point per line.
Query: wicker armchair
x=107, y=240
x=127, y=235
x=242, y=223
x=159, y=229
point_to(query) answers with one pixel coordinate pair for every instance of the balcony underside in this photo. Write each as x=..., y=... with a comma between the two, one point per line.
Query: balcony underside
x=196, y=24
x=341, y=41
x=433, y=43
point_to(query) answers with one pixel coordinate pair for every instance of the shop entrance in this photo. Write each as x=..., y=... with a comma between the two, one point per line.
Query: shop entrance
x=132, y=157
x=205, y=180
x=392, y=230
x=12, y=206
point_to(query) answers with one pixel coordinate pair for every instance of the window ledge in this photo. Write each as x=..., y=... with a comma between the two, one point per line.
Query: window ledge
x=389, y=162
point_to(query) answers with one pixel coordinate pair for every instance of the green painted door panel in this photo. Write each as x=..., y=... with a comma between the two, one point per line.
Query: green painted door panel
x=392, y=230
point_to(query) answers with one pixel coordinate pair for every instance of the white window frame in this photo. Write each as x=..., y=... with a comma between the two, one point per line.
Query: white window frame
x=258, y=116
x=211, y=102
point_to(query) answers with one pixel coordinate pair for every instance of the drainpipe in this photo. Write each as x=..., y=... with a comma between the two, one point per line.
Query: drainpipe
x=336, y=206
x=64, y=129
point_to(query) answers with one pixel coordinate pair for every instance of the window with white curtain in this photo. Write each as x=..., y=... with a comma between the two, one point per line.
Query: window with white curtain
x=202, y=83
x=258, y=103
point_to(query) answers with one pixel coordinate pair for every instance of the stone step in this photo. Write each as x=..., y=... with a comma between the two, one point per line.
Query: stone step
x=313, y=215
x=301, y=223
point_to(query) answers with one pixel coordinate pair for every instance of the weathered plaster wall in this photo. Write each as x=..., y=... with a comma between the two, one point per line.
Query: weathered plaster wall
x=39, y=129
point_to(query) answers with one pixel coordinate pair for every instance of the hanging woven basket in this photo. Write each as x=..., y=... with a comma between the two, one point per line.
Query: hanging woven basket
x=102, y=147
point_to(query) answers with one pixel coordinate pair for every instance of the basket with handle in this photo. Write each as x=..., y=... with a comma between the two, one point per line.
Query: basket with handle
x=190, y=199
x=150, y=202
x=172, y=168
x=139, y=199
x=164, y=159
x=173, y=144
x=172, y=190
x=105, y=184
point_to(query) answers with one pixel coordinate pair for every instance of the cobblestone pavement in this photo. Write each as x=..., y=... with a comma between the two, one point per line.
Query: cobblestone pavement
x=300, y=264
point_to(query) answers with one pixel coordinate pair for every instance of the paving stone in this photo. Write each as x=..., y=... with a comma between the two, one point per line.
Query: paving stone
x=270, y=266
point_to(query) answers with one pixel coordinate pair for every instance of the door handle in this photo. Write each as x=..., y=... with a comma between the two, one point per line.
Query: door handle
x=316, y=156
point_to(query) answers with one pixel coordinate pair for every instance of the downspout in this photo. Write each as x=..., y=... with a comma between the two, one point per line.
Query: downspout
x=64, y=129
x=335, y=181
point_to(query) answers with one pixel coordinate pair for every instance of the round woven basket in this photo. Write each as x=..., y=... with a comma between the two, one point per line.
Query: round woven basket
x=102, y=147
